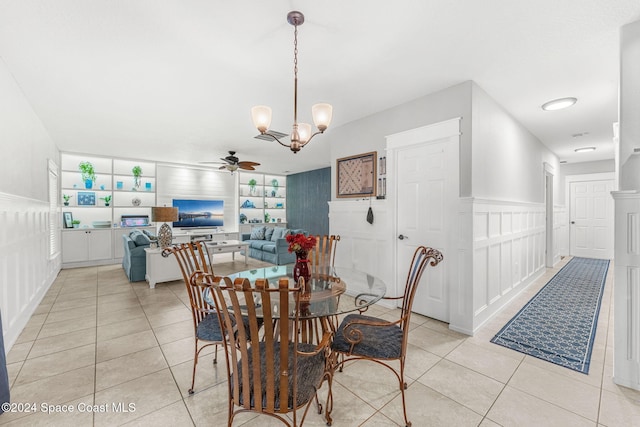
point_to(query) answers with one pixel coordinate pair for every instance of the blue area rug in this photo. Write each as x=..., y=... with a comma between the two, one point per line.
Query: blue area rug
x=559, y=323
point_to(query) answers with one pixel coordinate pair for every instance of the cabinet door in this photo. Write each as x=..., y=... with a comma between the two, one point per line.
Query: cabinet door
x=100, y=246
x=74, y=246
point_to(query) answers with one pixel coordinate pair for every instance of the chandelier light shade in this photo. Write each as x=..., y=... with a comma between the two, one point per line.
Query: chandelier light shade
x=164, y=214
x=301, y=133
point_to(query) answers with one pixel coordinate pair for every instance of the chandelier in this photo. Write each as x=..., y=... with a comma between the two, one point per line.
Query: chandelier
x=301, y=133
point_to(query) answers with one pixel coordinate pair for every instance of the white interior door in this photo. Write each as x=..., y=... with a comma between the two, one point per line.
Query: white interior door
x=591, y=214
x=426, y=208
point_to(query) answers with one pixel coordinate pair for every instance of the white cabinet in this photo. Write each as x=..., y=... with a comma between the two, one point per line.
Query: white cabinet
x=161, y=269
x=86, y=245
x=262, y=198
x=114, y=192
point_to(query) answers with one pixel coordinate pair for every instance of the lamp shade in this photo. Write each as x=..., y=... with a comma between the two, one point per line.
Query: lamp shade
x=164, y=214
x=304, y=132
x=261, y=115
x=322, y=114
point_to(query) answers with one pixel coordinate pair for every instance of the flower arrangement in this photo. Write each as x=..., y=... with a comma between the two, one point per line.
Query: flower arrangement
x=300, y=244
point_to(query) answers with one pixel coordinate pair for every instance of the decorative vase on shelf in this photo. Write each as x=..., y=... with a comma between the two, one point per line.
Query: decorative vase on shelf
x=88, y=184
x=301, y=268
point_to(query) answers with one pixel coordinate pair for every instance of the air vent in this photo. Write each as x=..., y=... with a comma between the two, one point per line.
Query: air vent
x=279, y=135
x=636, y=150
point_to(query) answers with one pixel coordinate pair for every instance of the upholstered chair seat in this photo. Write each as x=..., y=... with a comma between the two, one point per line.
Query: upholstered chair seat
x=378, y=342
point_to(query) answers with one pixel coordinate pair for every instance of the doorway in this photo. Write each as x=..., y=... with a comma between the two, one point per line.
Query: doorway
x=591, y=222
x=426, y=165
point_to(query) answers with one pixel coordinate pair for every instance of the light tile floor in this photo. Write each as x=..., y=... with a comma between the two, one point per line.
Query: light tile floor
x=97, y=341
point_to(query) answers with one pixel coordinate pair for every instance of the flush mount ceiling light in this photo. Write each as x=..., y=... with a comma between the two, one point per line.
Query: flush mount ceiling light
x=584, y=149
x=301, y=133
x=559, y=104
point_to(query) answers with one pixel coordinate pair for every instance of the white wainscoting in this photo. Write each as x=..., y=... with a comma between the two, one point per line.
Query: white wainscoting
x=626, y=348
x=26, y=268
x=363, y=246
x=504, y=255
x=560, y=233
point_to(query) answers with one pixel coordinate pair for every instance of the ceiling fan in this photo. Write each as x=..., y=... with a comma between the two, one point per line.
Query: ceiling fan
x=232, y=163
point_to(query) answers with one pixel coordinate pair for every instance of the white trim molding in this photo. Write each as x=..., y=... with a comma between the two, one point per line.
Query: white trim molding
x=501, y=251
x=626, y=350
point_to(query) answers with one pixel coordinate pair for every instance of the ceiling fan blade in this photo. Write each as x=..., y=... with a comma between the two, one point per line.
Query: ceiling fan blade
x=247, y=163
x=246, y=167
x=211, y=163
x=227, y=160
x=222, y=167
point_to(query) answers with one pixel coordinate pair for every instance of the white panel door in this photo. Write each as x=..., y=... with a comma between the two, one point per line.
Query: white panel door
x=425, y=191
x=591, y=219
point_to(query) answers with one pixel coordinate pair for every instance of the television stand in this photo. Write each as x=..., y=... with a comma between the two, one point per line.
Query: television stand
x=207, y=235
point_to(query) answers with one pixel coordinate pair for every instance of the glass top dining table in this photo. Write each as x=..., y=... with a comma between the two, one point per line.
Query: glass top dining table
x=330, y=291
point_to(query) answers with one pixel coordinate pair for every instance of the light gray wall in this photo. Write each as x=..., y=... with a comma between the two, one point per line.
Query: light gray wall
x=629, y=106
x=499, y=158
x=25, y=143
x=507, y=158
x=369, y=133
x=27, y=267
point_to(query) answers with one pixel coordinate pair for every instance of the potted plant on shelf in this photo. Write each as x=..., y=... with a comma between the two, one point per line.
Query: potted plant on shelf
x=137, y=173
x=274, y=184
x=252, y=186
x=267, y=217
x=88, y=174
x=76, y=223
x=107, y=200
x=66, y=198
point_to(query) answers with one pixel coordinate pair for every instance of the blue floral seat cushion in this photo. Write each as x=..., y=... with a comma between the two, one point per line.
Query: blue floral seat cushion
x=380, y=342
x=209, y=328
x=310, y=373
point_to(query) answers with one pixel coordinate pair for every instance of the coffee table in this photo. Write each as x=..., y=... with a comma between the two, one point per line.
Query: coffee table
x=227, y=246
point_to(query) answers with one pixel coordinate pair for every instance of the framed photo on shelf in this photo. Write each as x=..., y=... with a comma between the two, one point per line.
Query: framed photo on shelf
x=356, y=175
x=67, y=218
x=86, y=198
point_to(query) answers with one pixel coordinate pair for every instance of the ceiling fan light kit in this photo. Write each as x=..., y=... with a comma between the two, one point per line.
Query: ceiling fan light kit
x=301, y=133
x=232, y=163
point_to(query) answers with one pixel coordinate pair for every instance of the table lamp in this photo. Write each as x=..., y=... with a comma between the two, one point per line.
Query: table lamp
x=164, y=214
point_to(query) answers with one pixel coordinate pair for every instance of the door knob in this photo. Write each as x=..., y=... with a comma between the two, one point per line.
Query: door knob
x=573, y=222
x=401, y=237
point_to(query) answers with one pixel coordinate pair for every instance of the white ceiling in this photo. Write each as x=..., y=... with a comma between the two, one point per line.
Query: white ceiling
x=175, y=80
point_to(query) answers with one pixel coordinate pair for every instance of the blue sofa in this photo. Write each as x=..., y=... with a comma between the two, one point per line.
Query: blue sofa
x=270, y=245
x=134, y=260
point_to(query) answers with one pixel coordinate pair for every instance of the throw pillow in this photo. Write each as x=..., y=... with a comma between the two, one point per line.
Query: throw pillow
x=150, y=235
x=279, y=233
x=268, y=233
x=141, y=239
x=257, y=233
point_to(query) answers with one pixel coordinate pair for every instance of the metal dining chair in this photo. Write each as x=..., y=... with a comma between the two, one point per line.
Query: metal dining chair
x=361, y=337
x=279, y=374
x=193, y=258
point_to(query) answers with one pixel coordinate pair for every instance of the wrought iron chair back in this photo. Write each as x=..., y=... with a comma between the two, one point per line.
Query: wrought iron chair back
x=277, y=375
x=194, y=258
x=378, y=340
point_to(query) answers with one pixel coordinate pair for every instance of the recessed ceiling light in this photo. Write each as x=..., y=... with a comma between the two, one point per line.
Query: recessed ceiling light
x=559, y=104
x=584, y=149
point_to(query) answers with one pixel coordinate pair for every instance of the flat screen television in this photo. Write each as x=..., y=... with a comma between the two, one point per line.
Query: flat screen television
x=199, y=213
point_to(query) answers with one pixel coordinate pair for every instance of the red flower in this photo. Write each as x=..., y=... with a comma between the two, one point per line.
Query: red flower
x=300, y=243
